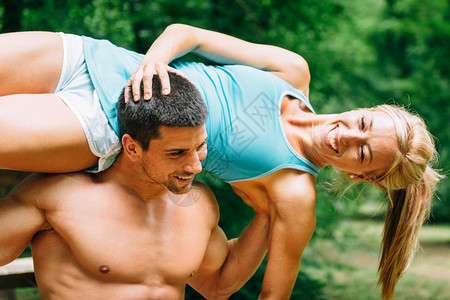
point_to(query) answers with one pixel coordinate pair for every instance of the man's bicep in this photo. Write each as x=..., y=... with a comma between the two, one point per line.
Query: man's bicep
x=20, y=219
x=217, y=246
x=215, y=257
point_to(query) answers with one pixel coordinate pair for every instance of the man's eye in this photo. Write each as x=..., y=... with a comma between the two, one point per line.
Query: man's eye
x=177, y=153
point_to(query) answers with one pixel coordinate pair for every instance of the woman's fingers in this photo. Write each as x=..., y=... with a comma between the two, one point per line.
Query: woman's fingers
x=162, y=70
x=144, y=74
x=134, y=85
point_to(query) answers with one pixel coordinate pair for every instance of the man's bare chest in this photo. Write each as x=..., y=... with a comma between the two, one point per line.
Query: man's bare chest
x=132, y=246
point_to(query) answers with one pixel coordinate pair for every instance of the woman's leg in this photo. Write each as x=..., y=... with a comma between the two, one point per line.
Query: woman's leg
x=40, y=133
x=30, y=62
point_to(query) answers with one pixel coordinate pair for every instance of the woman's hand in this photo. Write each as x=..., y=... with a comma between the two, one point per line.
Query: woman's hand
x=175, y=41
x=144, y=74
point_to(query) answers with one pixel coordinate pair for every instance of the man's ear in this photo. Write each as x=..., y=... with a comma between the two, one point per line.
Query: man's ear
x=131, y=148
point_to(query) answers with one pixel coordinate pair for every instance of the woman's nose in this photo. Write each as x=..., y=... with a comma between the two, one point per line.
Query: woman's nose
x=353, y=136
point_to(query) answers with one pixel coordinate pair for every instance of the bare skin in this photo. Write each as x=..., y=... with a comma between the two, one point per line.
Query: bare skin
x=120, y=234
x=139, y=249
x=45, y=136
x=289, y=194
x=295, y=206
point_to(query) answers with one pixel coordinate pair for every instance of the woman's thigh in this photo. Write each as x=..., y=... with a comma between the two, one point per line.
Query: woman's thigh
x=30, y=62
x=40, y=133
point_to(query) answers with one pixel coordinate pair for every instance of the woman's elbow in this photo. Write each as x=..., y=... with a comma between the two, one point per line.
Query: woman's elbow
x=300, y=68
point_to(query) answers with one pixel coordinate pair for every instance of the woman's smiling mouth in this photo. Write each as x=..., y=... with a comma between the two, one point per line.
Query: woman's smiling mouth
x=332, y=139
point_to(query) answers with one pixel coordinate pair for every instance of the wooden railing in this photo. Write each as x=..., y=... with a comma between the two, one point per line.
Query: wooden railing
x=20, y=272
x=17, y=274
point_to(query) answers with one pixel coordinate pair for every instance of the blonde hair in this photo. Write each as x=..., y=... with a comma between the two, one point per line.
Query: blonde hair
x=409, y=183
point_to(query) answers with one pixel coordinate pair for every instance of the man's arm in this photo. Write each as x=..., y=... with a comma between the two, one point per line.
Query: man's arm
x=292, y=223
x=179, y=39
x=20, y=219
x=228, y=265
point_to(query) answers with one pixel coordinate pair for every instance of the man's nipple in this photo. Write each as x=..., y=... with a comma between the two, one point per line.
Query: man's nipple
x=103, y=269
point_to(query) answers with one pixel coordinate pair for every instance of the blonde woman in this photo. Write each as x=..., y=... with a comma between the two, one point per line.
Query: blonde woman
x=264, y=137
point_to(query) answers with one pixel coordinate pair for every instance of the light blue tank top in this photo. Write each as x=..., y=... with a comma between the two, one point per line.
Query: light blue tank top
x=246, y=140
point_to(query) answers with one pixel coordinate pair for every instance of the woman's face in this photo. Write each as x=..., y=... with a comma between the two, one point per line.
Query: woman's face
x=358, y=142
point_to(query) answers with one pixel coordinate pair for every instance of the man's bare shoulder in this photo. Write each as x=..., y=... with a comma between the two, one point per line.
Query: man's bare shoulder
x=38, y=185
x=204, y=197
x=41, y=180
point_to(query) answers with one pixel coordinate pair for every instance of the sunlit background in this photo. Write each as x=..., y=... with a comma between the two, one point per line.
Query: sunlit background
x=360, y=53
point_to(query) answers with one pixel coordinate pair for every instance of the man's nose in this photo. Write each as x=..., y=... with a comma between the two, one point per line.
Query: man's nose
x=194, y=164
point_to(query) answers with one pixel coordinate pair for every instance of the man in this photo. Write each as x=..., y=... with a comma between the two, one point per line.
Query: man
x=142, y=229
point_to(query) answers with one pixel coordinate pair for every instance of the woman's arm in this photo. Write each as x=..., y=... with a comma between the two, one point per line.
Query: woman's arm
x=179, y=39
x=292, y=223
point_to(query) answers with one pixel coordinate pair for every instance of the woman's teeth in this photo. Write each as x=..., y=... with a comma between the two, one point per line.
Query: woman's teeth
x=332, y=139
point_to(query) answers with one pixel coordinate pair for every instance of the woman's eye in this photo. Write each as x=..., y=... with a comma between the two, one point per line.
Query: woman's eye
x=362, y=153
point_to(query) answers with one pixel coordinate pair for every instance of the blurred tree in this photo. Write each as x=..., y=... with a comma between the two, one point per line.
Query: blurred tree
x=12, y=15
x=360, y=53
x=412, y=45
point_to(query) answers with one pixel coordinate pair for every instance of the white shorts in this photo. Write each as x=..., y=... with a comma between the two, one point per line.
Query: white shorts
x=75, y=88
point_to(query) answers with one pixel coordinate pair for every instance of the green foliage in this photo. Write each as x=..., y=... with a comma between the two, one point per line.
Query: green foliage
x=360, y=53
x=412, y=49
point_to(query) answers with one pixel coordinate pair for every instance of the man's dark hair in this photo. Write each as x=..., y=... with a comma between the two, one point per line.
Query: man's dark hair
x=183, y=107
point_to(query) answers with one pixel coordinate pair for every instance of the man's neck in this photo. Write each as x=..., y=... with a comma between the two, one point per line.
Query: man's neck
x=131, y=179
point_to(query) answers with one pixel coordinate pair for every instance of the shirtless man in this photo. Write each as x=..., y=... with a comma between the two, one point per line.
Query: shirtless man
x=141, y=229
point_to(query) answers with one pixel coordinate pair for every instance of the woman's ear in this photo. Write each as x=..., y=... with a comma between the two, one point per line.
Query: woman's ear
x=359, y=177
x=131, y=148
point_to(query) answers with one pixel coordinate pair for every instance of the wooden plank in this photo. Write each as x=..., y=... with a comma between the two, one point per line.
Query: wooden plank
x=7, y=295
x=19, y=273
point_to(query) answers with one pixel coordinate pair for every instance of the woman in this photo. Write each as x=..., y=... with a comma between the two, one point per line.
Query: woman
x=264, y=137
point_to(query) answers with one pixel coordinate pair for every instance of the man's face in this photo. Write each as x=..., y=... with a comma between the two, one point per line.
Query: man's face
x=175, y=157
x=360, y=142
